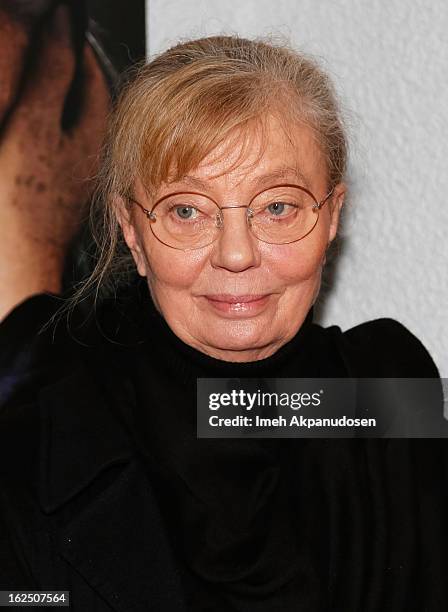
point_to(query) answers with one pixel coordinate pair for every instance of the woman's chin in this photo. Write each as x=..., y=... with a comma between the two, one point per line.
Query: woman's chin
x=239, y=342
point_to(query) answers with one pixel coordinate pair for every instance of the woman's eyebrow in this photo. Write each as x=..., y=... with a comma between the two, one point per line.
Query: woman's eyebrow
x=284, y=173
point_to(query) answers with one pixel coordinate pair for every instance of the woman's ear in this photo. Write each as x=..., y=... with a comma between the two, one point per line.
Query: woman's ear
x=125, y=219
x=336, y=203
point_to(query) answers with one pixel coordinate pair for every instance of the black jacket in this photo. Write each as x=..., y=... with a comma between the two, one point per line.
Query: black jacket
x=78, y=512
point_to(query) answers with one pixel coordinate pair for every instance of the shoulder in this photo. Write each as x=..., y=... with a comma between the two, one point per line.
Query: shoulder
x=386, y=348
x=25, y=352
x=41, y=344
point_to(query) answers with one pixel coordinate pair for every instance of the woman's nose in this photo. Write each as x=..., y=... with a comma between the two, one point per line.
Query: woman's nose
x=235, y=248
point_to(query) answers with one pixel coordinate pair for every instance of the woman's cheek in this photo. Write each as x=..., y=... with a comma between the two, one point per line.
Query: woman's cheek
x=299, y=262
x=172, y=267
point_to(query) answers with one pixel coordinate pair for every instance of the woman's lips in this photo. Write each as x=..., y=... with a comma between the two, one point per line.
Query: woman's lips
x=235, y=299
x=238, y=305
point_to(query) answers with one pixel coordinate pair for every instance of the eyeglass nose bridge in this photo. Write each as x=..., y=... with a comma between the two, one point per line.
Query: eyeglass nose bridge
x=220, y=218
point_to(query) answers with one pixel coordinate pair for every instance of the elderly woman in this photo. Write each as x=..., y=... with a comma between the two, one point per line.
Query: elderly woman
x=222, y=187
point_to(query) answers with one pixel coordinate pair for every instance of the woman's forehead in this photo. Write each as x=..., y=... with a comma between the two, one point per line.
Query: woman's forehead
x=259, y=156
x=257, y=178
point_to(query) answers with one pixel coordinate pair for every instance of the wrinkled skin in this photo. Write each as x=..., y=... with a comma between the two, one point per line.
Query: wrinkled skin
x=44, y=189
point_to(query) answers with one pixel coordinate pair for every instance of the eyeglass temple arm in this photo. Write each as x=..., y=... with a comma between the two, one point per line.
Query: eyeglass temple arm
x=322, y=202
x=147, y=212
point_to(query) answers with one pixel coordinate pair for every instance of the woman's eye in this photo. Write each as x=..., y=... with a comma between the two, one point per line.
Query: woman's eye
x=279, y=208
x=185, y=212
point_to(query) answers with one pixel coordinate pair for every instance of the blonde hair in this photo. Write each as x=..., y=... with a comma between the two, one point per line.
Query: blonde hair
x=177, y=108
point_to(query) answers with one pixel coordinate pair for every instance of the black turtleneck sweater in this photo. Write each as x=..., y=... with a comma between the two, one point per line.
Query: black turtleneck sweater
x=261, y=525
x=288, y=524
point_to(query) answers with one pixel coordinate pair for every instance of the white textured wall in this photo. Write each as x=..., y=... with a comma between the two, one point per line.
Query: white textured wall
x=390, y=64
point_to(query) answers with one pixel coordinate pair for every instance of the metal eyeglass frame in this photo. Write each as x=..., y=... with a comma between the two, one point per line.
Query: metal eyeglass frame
x=152, y=216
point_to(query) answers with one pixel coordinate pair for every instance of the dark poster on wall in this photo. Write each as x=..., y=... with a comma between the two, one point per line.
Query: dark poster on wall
x=60, y=67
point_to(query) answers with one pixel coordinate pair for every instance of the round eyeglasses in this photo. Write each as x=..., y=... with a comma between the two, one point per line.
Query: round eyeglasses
x=189, y=220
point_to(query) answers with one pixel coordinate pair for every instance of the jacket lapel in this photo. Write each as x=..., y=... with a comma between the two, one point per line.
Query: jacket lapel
x=95, y=491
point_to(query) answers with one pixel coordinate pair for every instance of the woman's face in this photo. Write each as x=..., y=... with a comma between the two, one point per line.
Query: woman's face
x=205, y=294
